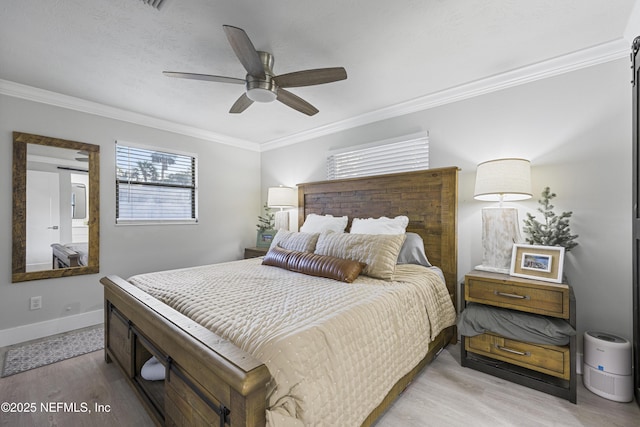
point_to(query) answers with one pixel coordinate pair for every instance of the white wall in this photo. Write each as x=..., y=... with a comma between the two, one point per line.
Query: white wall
x=575, y=129
x=229, y=202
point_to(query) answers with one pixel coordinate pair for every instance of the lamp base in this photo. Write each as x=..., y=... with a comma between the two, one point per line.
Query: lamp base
x=282, y=220
x=499, y=232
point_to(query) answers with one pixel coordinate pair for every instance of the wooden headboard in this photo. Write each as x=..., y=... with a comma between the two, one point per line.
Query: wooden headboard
x=429, y=198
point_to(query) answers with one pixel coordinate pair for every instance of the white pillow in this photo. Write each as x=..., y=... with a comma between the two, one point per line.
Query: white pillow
x=382, y=225
x=321, y=223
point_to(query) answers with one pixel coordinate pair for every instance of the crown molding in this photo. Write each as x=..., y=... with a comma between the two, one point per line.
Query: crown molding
x=599, y=54
x=34, y=94
x=585, y=58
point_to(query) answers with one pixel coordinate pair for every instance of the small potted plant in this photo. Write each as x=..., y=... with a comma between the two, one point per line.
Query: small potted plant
x=266, y=228
x=555, y=230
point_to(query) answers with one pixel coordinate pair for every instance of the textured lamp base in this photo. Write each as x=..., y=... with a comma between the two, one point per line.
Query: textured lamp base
x=282, y=220
x=499, y=232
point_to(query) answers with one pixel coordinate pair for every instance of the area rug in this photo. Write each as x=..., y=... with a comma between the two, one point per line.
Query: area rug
x=50, y=350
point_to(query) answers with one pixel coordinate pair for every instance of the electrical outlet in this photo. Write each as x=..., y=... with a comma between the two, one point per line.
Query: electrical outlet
x=35, y=303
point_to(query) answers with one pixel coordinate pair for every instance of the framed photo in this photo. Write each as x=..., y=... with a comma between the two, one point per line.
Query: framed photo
x=538, y=262
x=265, y=238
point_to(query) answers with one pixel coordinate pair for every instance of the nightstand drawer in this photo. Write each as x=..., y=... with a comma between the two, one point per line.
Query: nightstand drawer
x=548, y=359
x=548, y=300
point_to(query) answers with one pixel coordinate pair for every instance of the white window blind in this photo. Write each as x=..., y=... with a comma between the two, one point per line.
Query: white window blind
x=154, y=186
x=407, y=153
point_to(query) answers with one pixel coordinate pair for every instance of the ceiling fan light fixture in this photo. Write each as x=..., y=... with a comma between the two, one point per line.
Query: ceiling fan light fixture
x=261, y=90
x=259, y=94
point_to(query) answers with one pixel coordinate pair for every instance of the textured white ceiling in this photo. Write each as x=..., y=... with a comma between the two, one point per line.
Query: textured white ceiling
x=113, y=52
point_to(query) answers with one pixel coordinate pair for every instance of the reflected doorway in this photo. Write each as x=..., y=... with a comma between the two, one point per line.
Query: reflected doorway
x=43, y=218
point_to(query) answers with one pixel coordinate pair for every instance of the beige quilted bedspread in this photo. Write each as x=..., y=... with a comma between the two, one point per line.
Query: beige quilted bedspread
x=333, y=349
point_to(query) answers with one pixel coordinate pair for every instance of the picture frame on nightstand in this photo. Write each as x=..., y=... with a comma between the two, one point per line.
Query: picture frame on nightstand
x=265, y=237
x=538, y=262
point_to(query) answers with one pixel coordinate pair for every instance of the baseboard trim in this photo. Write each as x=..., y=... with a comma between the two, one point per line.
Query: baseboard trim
x=60, y=325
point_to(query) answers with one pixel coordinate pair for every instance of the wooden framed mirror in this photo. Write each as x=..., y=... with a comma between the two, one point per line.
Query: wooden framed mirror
x=56, y=207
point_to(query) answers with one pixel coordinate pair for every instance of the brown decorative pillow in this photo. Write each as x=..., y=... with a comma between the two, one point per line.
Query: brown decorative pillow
x=344, y=270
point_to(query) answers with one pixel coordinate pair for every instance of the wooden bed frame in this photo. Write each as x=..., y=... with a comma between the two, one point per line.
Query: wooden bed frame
x=209, y=381
x=64, y=257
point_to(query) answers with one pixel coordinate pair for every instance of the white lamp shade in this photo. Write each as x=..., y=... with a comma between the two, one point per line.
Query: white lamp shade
x=503, y=180
x=281, y=197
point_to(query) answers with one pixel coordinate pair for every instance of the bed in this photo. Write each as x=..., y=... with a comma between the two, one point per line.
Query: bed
x=217, y=376
x=69, y=255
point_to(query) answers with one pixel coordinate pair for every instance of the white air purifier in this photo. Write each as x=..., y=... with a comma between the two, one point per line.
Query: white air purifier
x=607, y=366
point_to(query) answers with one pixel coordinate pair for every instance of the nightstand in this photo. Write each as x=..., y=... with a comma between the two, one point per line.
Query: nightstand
x=548, y=368
x=254, y=252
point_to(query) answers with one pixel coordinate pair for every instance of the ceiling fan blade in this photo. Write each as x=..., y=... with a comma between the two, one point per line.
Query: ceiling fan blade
x=246, y=53
x=206, y=77
x=241, y=104
x=296, y=102
x=311, y=77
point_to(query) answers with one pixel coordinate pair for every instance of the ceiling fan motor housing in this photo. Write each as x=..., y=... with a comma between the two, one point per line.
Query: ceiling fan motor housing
x=263, y=90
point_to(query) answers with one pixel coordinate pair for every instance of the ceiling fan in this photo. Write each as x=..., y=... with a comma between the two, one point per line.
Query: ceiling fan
x=260, y=82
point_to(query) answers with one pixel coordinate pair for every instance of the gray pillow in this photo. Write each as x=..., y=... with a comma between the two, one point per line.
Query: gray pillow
x=412, y=251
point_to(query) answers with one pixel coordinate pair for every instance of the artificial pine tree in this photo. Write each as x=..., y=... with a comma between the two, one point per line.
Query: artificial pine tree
x=555, y=230
x=266, y=222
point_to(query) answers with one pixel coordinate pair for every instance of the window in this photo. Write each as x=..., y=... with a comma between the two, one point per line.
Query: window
x=155, y=186
x=407, y=153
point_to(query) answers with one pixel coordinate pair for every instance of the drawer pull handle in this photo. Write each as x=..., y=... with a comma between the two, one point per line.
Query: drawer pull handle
x=510, y=350
x=504, y=294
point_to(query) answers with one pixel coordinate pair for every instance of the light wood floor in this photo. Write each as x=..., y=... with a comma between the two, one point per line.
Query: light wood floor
x=444, y=394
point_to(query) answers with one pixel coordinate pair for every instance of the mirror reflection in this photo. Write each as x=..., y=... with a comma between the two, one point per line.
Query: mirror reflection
x=55, y=208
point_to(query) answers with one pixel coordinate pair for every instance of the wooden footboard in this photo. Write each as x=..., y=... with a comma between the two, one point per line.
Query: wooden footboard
x=64, y=257
x=206, y=378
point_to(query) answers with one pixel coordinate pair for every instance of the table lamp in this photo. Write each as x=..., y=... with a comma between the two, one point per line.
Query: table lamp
x=501, y=180
x=281, y=197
